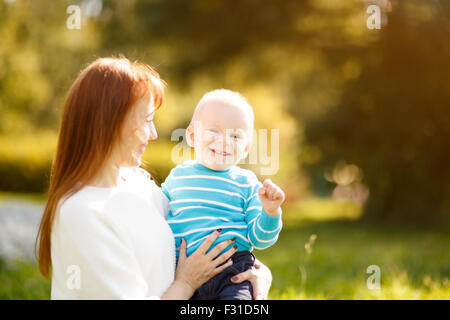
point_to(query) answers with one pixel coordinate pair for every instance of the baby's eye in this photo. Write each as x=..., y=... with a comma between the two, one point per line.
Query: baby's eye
x=212, y=133
x=235, y=136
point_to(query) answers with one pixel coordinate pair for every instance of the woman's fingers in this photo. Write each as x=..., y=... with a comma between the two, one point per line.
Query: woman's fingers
x=219, y=248
x=241, y=277
x=223, y=267
x=225, y=256
x=259, y=276
x=182, y=255
x=250, y=275
x=208, y=242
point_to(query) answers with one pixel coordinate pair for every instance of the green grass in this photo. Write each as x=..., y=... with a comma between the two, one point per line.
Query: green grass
x=414, y=263
x=22, y=280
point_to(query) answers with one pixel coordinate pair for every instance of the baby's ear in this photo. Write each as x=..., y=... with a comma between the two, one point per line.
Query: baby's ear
x=246, y=150
x=190, y=135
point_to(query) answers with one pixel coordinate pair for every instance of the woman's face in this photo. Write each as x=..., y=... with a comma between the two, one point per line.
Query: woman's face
x=138, y=129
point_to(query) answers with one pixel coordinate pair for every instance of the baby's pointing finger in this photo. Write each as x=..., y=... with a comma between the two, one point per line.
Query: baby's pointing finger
x=267, y=183
x=269, y=191
x=277, y=194
x=273, y=194
x=261, y=190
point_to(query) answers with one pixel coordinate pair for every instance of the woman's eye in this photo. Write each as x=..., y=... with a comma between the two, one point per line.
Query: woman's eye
x=235, y=137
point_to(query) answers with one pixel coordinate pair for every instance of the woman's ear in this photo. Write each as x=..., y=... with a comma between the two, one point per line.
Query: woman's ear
x=190, y=135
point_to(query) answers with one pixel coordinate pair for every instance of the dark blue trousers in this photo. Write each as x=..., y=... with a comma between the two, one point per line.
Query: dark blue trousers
x=220, y=287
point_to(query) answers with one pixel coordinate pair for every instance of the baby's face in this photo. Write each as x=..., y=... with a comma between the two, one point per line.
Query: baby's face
x=221, y=136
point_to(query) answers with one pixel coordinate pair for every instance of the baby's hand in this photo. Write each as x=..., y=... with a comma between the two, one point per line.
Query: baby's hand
x=271, y=197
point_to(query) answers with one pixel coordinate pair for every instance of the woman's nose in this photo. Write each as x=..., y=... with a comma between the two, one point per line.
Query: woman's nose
x=153, y=132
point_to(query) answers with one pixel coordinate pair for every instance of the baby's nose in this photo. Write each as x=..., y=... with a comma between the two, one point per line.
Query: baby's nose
x=225, y=140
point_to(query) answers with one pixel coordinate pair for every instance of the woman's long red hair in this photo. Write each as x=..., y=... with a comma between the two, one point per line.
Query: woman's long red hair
x=94, y=112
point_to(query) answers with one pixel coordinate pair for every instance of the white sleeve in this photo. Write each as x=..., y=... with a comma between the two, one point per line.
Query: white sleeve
x=107, y=266
x=161, y=199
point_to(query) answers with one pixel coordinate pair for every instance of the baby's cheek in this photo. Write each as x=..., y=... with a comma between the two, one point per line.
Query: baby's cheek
x=240, y=150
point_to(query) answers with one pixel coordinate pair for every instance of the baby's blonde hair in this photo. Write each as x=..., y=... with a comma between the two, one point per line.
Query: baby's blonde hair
x=226, y=97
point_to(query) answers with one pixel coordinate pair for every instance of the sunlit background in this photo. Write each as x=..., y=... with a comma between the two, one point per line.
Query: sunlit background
x=362, y=114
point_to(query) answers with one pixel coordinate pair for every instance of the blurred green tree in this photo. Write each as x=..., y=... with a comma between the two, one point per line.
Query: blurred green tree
x=374, y=98
x=393, y=119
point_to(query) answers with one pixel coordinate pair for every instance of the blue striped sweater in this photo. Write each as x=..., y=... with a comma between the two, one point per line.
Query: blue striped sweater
x=202, y=200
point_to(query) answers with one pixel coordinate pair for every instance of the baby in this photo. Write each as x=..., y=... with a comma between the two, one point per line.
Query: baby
x=211, y=192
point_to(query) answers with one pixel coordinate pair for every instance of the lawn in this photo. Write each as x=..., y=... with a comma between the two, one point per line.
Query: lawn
x=414, y=264
x=319, y=259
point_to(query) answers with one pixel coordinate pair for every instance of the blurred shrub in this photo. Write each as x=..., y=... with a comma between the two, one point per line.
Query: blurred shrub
x=25, y=162
x=157, y=159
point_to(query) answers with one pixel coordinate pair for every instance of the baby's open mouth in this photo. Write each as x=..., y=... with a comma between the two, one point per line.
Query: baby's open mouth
x=220, y=153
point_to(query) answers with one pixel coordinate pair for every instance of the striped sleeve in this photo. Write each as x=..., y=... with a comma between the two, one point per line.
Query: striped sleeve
x=263, y=230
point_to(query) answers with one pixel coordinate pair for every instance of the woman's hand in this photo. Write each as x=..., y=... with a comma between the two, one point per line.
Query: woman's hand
x=259, y=276
x=202, y=266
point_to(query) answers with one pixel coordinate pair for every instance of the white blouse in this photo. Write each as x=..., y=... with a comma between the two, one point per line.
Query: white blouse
x=113, y=243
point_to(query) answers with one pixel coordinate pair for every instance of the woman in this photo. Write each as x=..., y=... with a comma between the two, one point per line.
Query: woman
x=103, y=232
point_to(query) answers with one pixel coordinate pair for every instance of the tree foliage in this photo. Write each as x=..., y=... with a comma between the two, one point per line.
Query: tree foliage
x=374, y=98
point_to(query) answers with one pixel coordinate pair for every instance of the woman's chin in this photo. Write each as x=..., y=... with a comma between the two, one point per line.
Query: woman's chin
x=137, y=163
x=133, y=162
